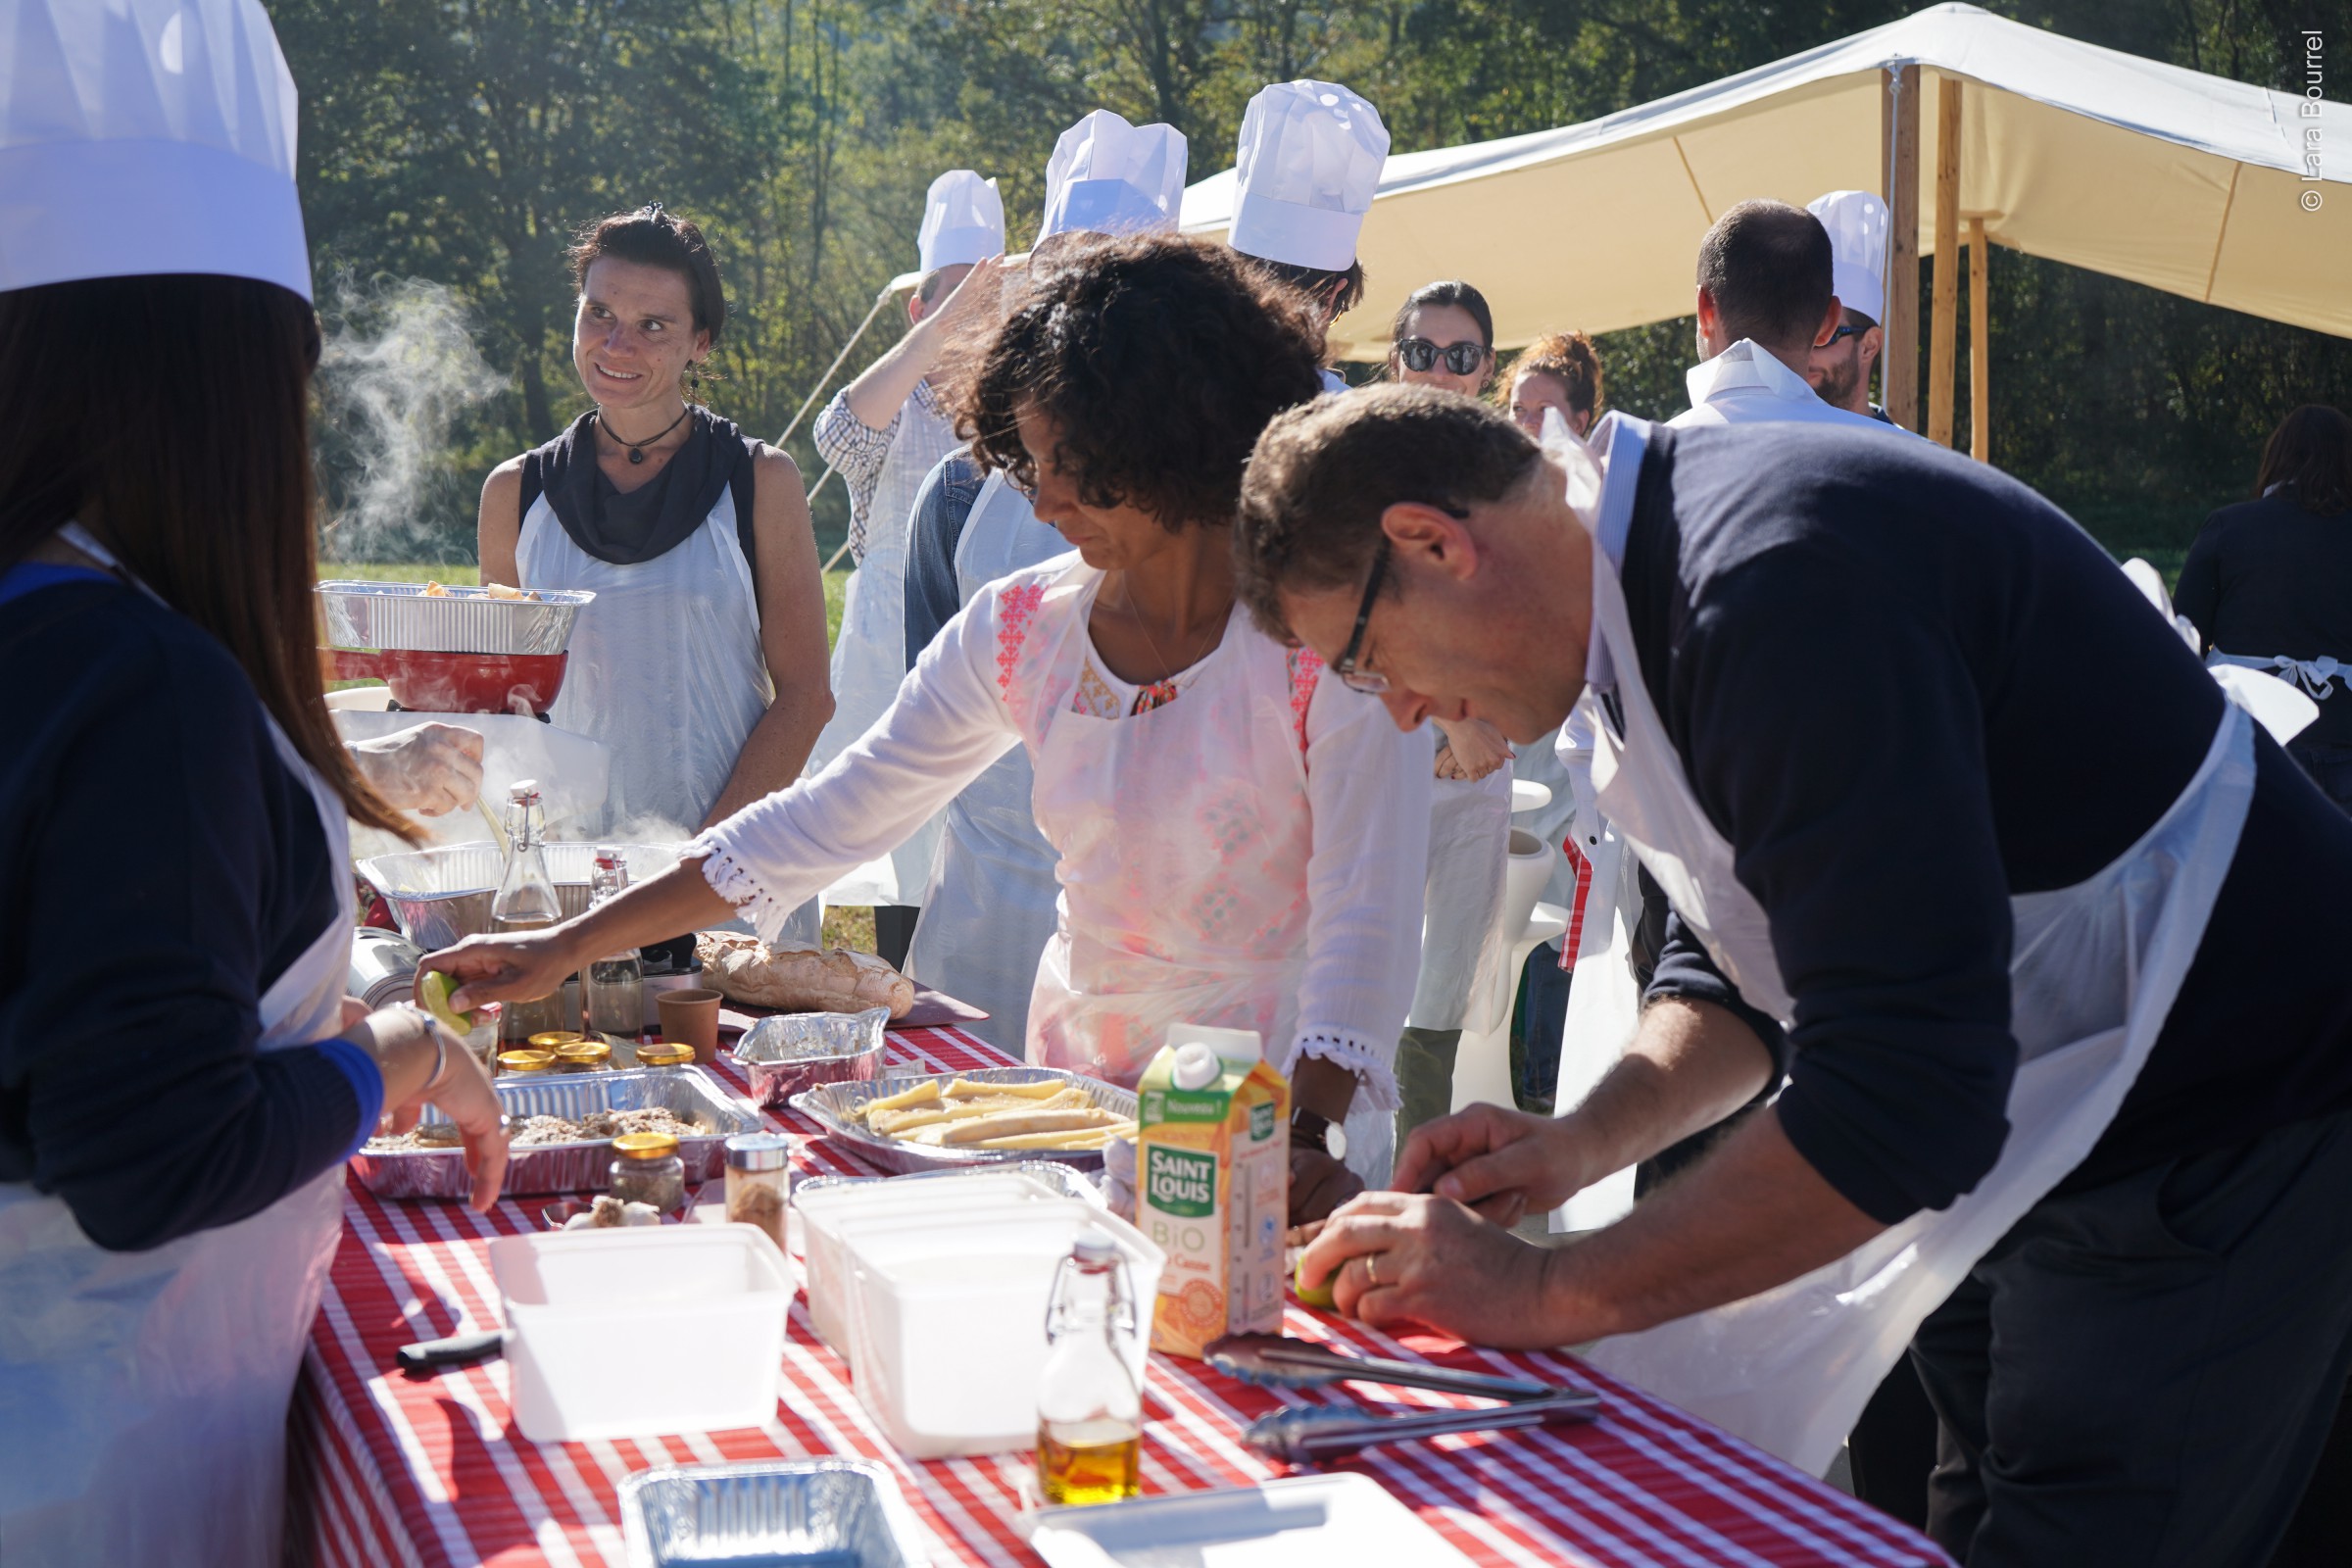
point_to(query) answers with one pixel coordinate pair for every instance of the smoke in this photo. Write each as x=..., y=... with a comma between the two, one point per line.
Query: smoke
x=398, y=371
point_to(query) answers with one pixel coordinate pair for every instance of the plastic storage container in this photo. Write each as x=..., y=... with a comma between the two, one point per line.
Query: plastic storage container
x=946, y=1322
x=827, y=1208
x=640, y=1333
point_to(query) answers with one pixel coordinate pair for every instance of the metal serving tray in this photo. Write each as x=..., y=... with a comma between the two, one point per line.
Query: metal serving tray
x=583, y=1167
x=849, y=1051
x=443, y=894
x=465, y=620
x=829, y=1106
x=1053, y=1173
x=842, y=1513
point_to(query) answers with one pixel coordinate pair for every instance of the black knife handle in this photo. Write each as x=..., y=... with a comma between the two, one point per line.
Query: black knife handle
x=426, y=1355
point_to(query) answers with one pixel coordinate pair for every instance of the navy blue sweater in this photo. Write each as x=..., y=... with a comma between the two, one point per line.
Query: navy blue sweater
x=160, y=868
x=1906, y=688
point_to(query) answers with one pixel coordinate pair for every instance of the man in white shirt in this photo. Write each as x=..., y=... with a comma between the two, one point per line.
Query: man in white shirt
x=1766, y=297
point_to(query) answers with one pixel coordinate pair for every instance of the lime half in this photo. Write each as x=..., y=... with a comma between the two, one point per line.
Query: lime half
x=433, y=990
x=1315, y=1295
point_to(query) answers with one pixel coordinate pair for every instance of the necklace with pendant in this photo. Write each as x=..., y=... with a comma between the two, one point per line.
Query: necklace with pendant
x=637, y=448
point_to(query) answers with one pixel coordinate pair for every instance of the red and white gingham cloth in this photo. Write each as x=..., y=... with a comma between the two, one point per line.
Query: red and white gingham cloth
x=389, y=1470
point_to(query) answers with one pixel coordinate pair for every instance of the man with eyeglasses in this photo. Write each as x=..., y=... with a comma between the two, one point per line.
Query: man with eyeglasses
x=1767, y=297
x=1972, y=865
x=1839, y=370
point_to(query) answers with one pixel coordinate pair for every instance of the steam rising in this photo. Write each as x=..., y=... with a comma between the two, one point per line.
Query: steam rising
x=398, y=371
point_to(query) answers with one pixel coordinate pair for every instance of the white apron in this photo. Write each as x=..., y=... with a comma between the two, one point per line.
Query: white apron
x=146, y=1393
x=869, y=658
x=1203, y=918
x=2093, y=972
x=1463, y=947
x=988, y=912
x=666, y=669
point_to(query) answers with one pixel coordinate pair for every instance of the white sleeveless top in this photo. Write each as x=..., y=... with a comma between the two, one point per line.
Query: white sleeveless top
x=666, y=669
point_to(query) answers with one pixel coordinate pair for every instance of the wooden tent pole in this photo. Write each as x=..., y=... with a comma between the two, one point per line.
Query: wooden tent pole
x=1979, y=345
x=1898, y=362
x=1943, y=342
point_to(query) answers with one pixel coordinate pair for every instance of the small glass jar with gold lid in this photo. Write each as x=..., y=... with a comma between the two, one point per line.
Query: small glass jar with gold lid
x=513, y=1062
x=647, y=1169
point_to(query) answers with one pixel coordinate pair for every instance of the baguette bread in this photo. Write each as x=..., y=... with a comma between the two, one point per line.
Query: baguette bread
x=742, y=969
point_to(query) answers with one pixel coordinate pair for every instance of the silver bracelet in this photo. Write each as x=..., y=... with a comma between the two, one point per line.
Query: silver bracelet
x=440, y=1047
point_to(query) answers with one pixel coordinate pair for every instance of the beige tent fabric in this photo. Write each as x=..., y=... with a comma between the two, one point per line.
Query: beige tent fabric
x=2180, y=180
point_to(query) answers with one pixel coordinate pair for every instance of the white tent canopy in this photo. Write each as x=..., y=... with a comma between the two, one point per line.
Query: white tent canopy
x=2185, y=182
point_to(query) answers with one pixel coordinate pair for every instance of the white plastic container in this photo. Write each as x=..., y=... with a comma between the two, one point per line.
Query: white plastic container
x=640, y=1333
x=827, y=1212
x=948, y=1322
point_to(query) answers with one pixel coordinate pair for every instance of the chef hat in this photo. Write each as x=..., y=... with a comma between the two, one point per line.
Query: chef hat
x=1109, y=177
x=1309, y=160
x=1858, y=226
x=963, y=220
x=142, y=136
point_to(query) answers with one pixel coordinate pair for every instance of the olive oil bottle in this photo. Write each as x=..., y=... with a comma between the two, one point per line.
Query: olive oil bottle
x=1090, y=1416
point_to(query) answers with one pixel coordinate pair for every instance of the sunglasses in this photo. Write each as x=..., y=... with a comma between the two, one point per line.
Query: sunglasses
x=1840, y=335
x=1419, y=353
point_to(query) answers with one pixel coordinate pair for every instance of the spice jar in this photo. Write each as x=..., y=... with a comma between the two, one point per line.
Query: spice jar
x=665, y=1053
x=584, y=1055
x=760, y=1182
x=556, y=1040
x=647, y=1169
x=522, y=1061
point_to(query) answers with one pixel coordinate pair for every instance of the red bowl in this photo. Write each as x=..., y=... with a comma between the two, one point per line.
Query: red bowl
x=425, y=682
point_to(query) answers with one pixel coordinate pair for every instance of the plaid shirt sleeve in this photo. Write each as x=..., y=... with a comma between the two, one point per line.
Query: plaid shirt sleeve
x=859, y=451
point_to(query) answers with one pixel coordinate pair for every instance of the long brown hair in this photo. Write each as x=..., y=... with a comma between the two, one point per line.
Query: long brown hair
x=2311, y=453
x=172, y=413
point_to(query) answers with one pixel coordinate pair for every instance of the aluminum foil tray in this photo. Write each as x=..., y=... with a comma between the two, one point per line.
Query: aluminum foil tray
x=776, y=1054
x=830, y=1104
x=844, y=1512
x=1060, y=1177
x=465, y=620
x=443, y=894
x=583, y=1167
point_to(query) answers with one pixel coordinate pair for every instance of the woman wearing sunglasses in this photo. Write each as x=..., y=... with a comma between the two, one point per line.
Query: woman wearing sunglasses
x=1240, y=838
x=1443, y=338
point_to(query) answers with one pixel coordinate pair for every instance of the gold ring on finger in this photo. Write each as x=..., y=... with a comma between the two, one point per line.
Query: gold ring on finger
x=1371, y=1278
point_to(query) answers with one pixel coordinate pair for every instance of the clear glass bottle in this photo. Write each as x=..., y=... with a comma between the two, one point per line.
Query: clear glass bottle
x=612, y=987
x=647, y=1169
x=1090, y=1420
x=760, y=1182
x=526, y=902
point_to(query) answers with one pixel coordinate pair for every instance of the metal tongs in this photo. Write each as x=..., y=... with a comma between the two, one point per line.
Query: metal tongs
x=1301, y=1435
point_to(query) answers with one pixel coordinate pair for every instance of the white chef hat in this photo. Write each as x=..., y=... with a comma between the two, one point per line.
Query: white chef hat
x=963, y=220
x=144, y=136
x=1108, y=176
x=1310, y=157
x=1858, y=228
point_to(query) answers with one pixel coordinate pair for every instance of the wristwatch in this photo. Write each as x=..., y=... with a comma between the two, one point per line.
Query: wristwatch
x=1311, y=1130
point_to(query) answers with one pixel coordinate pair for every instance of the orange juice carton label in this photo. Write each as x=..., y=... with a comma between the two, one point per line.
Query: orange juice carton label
x=1214, y=1189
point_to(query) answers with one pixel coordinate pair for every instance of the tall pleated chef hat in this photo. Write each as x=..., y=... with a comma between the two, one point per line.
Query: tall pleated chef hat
x=1108, y=176
x=1858, y=228
x=963, y=220
x=1310, y=158
x=145, y=137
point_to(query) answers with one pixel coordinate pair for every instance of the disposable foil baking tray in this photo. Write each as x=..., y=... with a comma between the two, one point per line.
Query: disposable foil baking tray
x=581, y=1167
x=791, y=1052
x=844, y=1512
x=831, y=1105
x=463, y=621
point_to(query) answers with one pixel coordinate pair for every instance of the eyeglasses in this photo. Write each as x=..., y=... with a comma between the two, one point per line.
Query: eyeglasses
x=1371, y=682
x=1419, y=353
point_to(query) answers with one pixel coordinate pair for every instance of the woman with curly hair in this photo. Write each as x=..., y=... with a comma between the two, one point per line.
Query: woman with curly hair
x=1557, y=371
x=1241, y=836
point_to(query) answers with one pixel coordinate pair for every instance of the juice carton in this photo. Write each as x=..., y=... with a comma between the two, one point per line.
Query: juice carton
x=1213, y=1184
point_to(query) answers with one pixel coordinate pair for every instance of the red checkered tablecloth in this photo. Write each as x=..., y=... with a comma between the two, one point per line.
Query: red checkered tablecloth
x=389, y=1470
